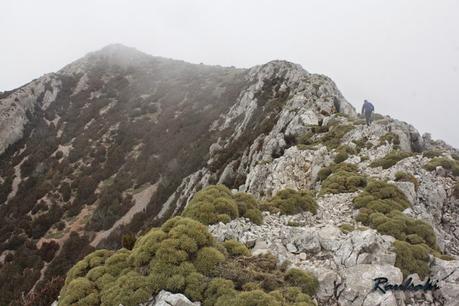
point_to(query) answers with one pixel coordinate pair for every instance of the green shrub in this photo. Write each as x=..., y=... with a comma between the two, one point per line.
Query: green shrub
x=406, y=177
x=130, y=289
x=128, y=241
x=347, y=149
x=412, y=258
x=80, y=291
x=196, y=284
x=255, y=298
x=346, y=228
x=219, y=290
x=447, y=163
x=431, y=153
x=292, y=296
x=306, y=281
x=343, y=182
x=381, y=205
x=390, y=159
x=248, y=207
x=206, y=260
x=325, y=172
x=305, y=139
x=341, y=156
x=182, y=256
x=236, y=248
x=361, y=143
x=332, y=139
x=379, y=197
x=216, y=203
x=390, y=138
x=290, y=202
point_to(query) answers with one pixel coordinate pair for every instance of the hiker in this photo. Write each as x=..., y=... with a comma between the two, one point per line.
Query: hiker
x=367, y=110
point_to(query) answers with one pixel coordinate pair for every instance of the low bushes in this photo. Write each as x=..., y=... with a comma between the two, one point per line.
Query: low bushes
x=390, y=159
x=412, y=258
x=306, y=281
x=390, y=138
x=447, y=163
x=332, y=139
x=341, y=156
x=325, y=172
x=406, y=177
x=342, y=182
x=236, y=248
x=182, y=256
x=290, y=202
x=431, y=153
x=346, y=228
x=216, y=203
x=330, y=136
x=341, y=178
x=381, y=205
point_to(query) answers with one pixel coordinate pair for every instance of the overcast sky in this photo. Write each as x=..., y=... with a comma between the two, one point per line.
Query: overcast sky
x=402, y=55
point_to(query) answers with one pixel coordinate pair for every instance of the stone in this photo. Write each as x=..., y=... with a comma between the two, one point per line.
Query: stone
x=166, y=298
x=307, y=242
x=358, y=285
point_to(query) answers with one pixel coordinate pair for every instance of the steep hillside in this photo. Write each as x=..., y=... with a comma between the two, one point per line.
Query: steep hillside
x=119, y=141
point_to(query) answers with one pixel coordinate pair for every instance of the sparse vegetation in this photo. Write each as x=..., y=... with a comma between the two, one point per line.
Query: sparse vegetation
x=406, y=177
x=431, y=153
x=330, y=136
x=390, y=138
x=447, y=163
x=390, y=159
x=346, y=228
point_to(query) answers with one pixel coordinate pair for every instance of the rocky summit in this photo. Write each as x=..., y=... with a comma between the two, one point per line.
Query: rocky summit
x=128, y=179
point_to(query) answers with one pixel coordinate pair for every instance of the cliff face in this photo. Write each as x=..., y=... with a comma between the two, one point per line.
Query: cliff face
x=119, y=141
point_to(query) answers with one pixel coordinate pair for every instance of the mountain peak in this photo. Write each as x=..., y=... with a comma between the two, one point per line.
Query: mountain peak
x=112, y=54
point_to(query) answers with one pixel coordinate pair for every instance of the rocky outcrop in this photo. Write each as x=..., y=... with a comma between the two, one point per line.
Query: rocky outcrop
x=322, y=248
x=17, y=107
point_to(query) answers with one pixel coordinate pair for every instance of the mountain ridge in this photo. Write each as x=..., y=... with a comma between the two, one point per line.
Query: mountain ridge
x=120, y=130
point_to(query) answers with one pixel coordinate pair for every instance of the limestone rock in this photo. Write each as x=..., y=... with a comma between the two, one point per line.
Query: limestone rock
x=166, y=298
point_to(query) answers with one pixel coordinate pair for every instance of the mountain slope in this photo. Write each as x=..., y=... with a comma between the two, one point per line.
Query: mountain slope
x=119, y=141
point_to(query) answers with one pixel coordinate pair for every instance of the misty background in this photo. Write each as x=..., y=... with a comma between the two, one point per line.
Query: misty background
x=403, y=55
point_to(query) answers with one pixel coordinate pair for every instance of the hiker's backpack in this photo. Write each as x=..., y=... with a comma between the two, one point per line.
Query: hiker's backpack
x=370, y=107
